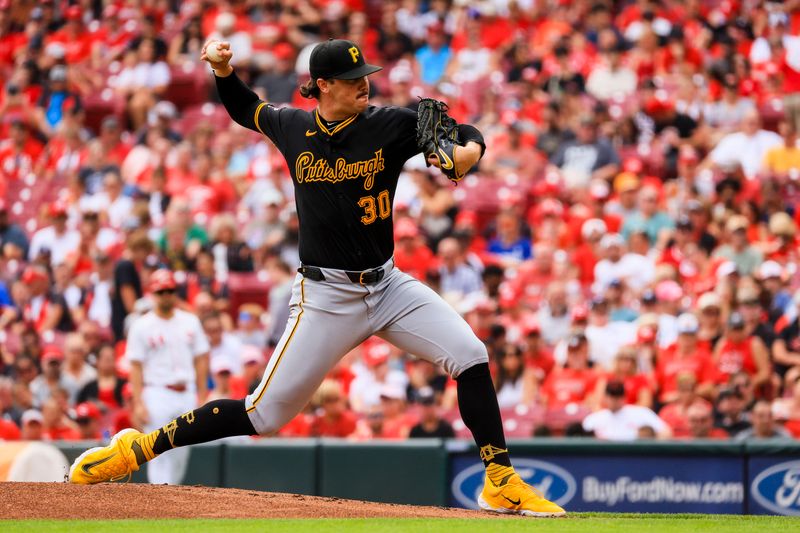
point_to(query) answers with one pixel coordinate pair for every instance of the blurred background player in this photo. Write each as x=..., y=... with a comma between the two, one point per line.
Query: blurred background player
x=168, y=355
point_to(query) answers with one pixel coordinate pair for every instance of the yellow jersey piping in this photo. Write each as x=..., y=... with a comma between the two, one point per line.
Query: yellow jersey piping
x=255, y=118
x=339, y=127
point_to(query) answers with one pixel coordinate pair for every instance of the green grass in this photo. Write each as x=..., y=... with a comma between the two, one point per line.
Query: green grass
x=577, y=523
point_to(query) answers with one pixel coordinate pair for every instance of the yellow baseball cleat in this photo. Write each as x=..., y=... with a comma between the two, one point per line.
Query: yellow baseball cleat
x=107, y=463
x=517, y=497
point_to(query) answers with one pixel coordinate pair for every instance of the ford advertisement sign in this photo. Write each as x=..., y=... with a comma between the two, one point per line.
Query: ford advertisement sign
x=618, y=484
x=774, y=486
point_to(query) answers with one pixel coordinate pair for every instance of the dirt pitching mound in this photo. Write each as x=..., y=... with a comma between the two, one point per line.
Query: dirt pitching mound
x=116, y=500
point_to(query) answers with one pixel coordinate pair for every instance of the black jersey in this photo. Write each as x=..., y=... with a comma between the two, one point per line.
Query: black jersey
x=344, y=175
x=344, y=179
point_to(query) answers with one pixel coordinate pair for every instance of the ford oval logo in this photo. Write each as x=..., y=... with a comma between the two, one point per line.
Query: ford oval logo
x=778, y=488
x=554, y=482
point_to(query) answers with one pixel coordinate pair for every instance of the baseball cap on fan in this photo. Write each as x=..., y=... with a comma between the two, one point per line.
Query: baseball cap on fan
x=162, y=279
x=339, y=59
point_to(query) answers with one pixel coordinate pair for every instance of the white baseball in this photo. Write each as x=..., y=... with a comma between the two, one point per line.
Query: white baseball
x=212, y=51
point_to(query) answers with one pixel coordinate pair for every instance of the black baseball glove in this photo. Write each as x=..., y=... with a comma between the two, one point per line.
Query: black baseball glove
x=437, y=134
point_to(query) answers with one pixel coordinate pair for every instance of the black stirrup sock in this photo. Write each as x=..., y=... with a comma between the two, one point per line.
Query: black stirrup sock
x=477, y=402
x=215, y=420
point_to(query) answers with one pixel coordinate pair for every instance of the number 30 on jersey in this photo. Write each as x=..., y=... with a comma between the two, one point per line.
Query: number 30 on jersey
x=375, y=207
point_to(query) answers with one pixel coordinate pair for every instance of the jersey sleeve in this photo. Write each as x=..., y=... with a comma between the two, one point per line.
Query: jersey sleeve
x=135, y=347
x=246, y=109
x=276, y=123
x=590, y=422
x=403, y=122
x=654, y=421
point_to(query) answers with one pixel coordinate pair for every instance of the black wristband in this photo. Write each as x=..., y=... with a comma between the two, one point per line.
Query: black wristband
x=468, y=132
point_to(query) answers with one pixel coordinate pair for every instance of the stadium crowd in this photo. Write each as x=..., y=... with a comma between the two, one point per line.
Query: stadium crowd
x=627, y=249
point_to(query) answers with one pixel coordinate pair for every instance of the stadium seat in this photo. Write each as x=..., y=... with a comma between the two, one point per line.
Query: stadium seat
x=248, y=287
x=188, y=86
x=213, y=114
x=557, y=419
x=521, y=420
x=98, y=106
x=771, y=114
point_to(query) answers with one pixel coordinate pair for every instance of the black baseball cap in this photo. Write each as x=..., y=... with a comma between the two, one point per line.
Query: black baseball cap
x=339, y=59
x=728, y=393
x=426, y=396
x=615, y=388
x=736, y=320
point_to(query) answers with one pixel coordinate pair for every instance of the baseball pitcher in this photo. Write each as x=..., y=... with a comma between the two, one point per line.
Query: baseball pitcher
x=345, y=157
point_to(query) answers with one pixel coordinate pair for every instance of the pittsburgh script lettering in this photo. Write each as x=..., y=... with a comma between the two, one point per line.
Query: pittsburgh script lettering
x=307, y=168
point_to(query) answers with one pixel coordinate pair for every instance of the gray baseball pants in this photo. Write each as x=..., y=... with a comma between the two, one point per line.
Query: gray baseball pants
x=329, y=318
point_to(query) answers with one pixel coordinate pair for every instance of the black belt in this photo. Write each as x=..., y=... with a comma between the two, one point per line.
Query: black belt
x=364, y=277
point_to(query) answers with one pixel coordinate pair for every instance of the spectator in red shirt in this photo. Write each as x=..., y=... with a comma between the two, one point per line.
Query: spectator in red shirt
x=638, y=388
x=535, y=274
x=682, y=357
x=333, y=419
x=73, y=36
x=18, y=154
x=225, y=386
x=513, y=156
x=8, y=430
x=538, y=359
x=701, y=422
x=411, y=255
x=110, y=40
x=576, y=381
x=788, y=408
x=32, y=426
x=115, y=147
x=253, y=365
x=88, y=417
x=397, y=423
x=57, y=426
x=711, y=324
x=737, y=351
x=786, y=50
x=18, y=99
x=299, y=426
x=121, y=419
x=586, y=255
x=675, y=412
